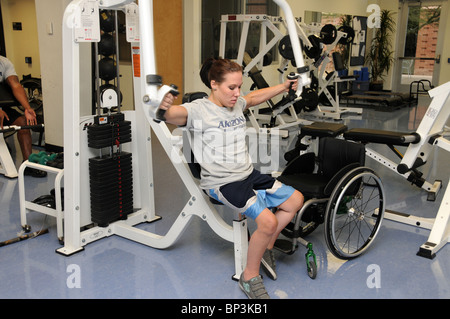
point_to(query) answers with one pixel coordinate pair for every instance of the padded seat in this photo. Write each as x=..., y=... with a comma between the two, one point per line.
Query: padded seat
x=383, y=137
x=310, y=185
x=335, y=158
x=323, y=129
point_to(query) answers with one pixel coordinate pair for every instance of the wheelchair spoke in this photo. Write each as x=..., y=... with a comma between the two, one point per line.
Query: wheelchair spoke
x=352, y=220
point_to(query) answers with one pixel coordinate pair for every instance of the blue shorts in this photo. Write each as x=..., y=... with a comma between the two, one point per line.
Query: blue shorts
x=252, y=195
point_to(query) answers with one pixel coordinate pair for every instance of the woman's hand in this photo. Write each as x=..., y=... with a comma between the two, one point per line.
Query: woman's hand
x=287, y=85
x=167, y=101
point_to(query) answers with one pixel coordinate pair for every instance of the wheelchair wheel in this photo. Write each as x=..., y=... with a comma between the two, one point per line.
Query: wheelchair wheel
x=354, y=213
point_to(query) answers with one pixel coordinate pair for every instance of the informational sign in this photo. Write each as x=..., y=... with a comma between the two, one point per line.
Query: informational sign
x=87, y=22
x=132, y=22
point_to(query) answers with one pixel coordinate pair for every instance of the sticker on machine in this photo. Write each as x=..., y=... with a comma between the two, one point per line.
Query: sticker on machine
x=136, y=52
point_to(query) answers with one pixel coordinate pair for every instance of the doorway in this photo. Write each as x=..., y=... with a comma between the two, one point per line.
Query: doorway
x=419, y=43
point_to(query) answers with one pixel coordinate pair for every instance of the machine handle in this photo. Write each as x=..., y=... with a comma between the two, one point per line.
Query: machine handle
x=172, y=89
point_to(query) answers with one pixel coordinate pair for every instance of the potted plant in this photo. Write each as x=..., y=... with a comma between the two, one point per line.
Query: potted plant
x=380, y=55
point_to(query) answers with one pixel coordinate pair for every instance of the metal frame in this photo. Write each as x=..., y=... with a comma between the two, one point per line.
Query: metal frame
x=148, y=97
x=267, y=22
x=432, y=132
x=27, y=206
x=7, y=166
x=334, y=111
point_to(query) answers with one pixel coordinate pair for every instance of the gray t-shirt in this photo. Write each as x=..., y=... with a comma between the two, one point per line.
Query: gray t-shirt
x=218, y=141
x=6, y=69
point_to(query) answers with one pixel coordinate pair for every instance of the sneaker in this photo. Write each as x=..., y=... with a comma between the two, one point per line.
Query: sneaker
x=29, y=171
x=268, y=264
x=254, y=288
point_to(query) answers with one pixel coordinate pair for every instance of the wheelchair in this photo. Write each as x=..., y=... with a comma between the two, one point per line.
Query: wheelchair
x=340, y=192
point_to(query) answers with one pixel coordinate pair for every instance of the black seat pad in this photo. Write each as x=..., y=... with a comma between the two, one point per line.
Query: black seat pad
x=310, y=185
x=383, y=137
x=323, y=129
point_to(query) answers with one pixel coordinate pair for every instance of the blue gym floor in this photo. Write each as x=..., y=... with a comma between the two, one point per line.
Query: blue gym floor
x=200, y=265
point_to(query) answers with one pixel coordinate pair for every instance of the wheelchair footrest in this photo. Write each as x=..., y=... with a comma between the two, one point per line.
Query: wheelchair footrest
x=290, y=232
x=285, y=246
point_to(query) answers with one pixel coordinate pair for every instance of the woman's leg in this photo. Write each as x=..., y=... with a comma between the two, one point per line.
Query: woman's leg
x=267, y=225
x=285, y=213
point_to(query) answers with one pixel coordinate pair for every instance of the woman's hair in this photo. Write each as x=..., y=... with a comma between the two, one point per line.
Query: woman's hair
x=216, y=69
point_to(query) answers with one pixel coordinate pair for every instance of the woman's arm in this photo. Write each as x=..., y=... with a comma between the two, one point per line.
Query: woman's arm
x=262, y=95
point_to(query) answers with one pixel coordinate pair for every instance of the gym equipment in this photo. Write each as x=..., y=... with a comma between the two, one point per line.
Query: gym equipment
x=23, y=237
x=252, y=67
x=328, y=34
x=274, y=118
x=350, y=35
x=107, y=46
x=432, y=132
x=42, y=157
x=107, y=69
x=79, y=229
x=148, y=95
x=328, y=85
x=420, y=87
x=13, y=128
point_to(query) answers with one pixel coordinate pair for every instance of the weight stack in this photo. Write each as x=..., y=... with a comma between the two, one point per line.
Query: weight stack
x=111, y=184
x=108, y=131
x=110, y=176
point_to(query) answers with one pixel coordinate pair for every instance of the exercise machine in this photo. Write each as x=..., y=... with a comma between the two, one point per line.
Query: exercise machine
x=432, y=133
x=79, y=228
x=276, y=117
x=331, y=37
x=77, y=223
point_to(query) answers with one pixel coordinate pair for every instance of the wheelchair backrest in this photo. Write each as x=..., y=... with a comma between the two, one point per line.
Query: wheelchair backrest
x=335, y=154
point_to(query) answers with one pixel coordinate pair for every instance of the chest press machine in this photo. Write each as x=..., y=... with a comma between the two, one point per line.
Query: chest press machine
x=80, y=25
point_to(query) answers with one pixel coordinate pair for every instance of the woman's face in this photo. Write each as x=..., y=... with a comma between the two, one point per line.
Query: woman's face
x=227, y=92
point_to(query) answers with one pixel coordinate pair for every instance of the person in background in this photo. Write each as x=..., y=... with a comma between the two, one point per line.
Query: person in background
x=10, y=116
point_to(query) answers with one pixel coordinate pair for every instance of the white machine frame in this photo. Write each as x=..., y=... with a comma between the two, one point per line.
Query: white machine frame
x=267, y=23
x=432, y=131
x=7, y=166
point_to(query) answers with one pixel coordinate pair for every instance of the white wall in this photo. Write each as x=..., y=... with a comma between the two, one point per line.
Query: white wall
x=49, y=16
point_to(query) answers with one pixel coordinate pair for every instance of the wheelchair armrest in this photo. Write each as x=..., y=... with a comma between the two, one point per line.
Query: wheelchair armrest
x=302, y=164
x=335, y=179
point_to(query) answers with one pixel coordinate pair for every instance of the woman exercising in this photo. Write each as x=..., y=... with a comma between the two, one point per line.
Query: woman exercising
x=227, y=173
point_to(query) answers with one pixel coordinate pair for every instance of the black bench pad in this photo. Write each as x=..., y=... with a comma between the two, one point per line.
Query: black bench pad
x=383, y=137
